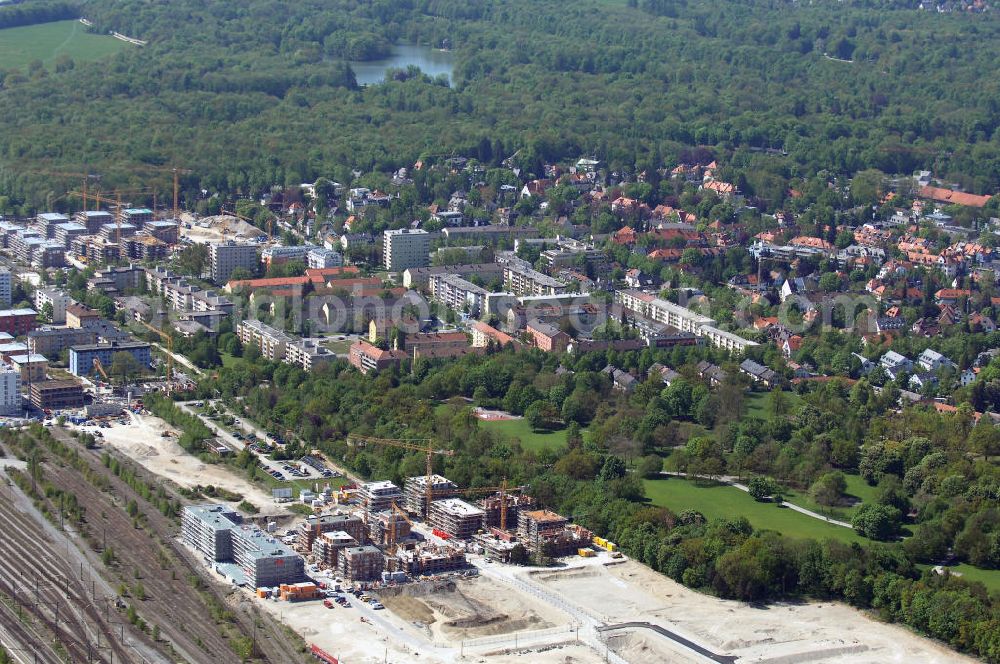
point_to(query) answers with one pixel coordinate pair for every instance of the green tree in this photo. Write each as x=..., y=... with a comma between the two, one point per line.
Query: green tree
x=829, y=489
x=877, y=522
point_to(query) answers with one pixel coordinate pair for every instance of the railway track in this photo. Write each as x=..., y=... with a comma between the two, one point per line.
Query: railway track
x=43, y=583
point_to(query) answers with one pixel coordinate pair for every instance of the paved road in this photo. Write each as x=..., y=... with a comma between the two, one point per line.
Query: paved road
x=734, y=482
x=673, y=636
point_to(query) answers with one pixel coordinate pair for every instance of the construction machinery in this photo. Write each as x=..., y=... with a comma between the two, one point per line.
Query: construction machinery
x=251, y=221
x=170, y=351
x=417, y=445
x=100, y=369
x=177, y=173
x=503, y=490
x=115, y=203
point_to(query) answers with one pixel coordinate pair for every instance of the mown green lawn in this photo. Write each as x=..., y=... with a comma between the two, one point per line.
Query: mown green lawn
x=759, y=403
x=988, y=577
x=530, y=439
x=46, y=41
x=721, y=501
x=857, y=489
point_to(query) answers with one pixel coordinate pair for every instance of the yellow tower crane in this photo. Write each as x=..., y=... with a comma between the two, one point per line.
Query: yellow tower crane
x=503, y=490
x=170, y=351
x=417, y=445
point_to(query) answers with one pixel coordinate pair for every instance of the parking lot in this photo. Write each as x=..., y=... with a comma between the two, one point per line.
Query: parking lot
x=237, y=434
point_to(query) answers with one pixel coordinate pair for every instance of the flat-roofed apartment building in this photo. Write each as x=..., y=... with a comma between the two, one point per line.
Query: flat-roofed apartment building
x=415, y=492
x=271, y=341
x=242, y=552
x=456, y=517
x=314, y=526
x=379, y=496
x=457, y=293
x=524, y=280
x=405, y=248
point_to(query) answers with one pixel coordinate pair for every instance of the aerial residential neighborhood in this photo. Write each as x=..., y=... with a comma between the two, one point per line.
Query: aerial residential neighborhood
x=628, y=331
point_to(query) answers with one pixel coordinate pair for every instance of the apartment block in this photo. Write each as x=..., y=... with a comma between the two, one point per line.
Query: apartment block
x=56, y=299
x=46, y=222
x=456, y=517
x=94, y=220
x=241, y=552
x=226, y=257
x=137, y=216
x=66, y=233
x=380, y=527
x=17, y=322
x=457, y=293
x=10, y=391
x=492, y=507
x=431, y=559
x=523, y=280
x=405, y=248
x=308, y=354
x=164, y=231
x=361, y=563
x=314, y=526
x=81, y=358
x=328, y=547
x=379, y=496
x=535, y=525
x=415, y=492
x=6, y=284
x=419, y=277
x=271, y=342
x=56, y=394
x=320, y=258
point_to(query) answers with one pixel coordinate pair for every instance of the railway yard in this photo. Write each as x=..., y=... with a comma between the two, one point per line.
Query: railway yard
x=108, y=576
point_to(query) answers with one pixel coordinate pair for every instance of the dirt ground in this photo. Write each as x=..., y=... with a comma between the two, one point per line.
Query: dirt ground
x=142, y=441
x=779, y=633
x=342, y=633
x=450, y=611
x=220, y=227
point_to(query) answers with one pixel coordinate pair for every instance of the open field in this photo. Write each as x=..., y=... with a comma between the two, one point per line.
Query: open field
x=809, y=632
x=857, y=490
x=530, y=439
x=759, y=404
x=721, y=501
x=47, y=41
x=142, y=441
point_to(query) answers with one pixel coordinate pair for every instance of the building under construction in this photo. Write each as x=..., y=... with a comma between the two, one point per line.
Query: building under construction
x=491, y=506
x=314, y=526
x=498, y=545
x=415, y=492
x=430, y=559
x=380, y=526
x=378, y=497
x=360, y=563
x=456, y=517
x=328, y=547
x=551, y=533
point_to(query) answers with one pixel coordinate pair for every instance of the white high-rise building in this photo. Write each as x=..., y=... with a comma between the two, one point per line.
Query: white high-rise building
x=405, y=248
x=10, y=391
x=224, y=258
x=5, y=288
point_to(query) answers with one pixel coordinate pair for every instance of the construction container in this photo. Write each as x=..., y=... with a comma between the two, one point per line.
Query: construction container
x=297, y=592
x=586, y=553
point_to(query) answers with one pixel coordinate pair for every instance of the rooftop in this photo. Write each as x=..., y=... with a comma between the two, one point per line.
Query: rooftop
x=457, y=507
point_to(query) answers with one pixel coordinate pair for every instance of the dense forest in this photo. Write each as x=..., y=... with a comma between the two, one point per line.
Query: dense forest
x=257, y=93
x=934, y=480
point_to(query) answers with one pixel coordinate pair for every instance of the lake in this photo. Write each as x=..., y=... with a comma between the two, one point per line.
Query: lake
x=431, y=61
